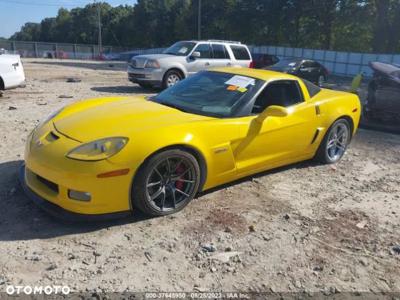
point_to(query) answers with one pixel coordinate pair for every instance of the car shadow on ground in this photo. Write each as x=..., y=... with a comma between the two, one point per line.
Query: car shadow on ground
x=299, y=165
x=101, y=66
x=21, y=219
x=131, y=89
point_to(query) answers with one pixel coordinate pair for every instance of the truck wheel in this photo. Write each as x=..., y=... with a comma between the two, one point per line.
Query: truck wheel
x=171, y=78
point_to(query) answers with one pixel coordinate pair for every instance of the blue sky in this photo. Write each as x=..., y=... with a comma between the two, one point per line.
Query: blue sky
x=15, y=13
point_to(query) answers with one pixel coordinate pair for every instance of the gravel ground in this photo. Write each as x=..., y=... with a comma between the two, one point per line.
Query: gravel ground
x=306, y=227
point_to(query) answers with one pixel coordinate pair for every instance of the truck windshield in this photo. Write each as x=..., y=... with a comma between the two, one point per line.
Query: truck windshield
x=210, y=93
x=180, y=48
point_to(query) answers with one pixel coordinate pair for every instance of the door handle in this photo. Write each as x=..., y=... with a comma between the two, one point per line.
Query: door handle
x=229, y=64
x=207, y=64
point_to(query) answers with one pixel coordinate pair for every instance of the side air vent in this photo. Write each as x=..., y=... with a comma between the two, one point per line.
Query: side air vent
x=315, y=136
x=317, y=110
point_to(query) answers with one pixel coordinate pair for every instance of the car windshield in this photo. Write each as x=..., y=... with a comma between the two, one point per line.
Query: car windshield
x=396, y=74
x=208, y=93
x=180, y=48
x=287, y=63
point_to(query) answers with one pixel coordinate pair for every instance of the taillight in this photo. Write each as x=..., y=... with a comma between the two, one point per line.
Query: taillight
x=251, y=65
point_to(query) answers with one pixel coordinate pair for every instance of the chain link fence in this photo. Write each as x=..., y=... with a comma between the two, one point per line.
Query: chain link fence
x=337, y=62
x=58, y=50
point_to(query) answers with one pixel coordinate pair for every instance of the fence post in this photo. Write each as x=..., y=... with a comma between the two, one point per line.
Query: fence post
x=346, y=70
x=13, y=48
x=93, y=55
x=74, y=49
x=36, y=50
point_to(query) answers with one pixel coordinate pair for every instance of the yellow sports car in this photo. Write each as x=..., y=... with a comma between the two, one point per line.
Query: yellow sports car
x=105, y=157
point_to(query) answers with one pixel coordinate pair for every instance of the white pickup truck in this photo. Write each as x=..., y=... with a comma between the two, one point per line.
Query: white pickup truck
x=11, y=71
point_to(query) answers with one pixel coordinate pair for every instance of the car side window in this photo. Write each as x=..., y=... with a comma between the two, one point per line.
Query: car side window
x=307, y=64
x=219, y=51
x=282, y=93
x=240, y=52
x=205, y=50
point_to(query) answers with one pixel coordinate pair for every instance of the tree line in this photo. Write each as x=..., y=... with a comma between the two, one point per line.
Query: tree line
x=345, y=25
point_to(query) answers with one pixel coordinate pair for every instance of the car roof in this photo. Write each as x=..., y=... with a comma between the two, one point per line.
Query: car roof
x=294, y=59
x=216, y=42
x=255, y=73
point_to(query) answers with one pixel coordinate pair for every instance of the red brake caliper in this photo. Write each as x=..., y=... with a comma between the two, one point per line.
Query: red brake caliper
x=179, y=183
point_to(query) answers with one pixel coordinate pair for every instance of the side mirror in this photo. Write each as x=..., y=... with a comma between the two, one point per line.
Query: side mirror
x=195, y=54
x=273, y=111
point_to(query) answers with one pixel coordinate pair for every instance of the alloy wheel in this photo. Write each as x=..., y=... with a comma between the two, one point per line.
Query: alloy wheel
x=172, y=79
x=337, y=141
x=171, y=183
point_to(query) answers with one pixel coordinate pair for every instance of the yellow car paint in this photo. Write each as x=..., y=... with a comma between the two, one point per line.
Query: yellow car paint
x=230, y=147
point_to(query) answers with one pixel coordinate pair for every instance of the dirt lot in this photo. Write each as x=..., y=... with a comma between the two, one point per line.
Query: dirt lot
x=307, y=227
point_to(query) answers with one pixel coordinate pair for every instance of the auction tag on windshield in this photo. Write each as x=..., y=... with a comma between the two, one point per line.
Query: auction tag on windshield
x=232, y=88
x=183, y=50
x=240, y=81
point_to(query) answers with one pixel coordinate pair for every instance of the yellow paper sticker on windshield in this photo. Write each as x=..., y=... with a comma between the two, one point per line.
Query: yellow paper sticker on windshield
x=242, y=89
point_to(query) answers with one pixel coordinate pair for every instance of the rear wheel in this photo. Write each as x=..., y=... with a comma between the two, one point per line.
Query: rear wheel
x=335, y=142
x=166, y=183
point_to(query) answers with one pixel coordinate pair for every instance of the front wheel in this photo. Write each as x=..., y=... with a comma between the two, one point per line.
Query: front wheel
x=335, y=142
x=171, y=78
x=166, y=183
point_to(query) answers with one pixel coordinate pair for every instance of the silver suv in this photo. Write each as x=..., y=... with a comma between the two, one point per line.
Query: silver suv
x=185, y=58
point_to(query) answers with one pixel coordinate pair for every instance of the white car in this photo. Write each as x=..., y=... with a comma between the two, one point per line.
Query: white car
x=11, y=71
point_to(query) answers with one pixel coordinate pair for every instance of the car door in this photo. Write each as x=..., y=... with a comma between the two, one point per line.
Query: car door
x=220, y=56
x=203, y=62
x=277, y=140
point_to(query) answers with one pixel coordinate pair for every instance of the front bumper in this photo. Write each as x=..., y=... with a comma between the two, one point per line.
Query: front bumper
x=60, y=213
x=143, y=75
x=53, y=177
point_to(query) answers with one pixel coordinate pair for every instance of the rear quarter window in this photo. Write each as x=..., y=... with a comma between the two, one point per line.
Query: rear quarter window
x=240, y=53
x=311, y=88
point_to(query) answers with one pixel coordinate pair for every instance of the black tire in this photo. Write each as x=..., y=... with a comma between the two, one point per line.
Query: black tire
x=325, y=154
x=171, y=78
x=151, y=179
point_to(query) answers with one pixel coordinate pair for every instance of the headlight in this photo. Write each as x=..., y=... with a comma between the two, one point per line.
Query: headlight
x=98, y=150
x=151, y=63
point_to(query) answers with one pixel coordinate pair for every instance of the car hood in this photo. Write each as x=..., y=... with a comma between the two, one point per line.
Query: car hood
x=100, y=118
x=153, y=56
x=9, y=58
x=139, y=61
x=279, y=69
